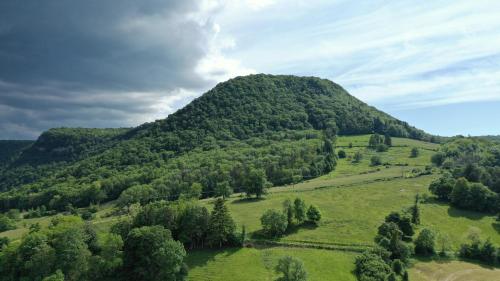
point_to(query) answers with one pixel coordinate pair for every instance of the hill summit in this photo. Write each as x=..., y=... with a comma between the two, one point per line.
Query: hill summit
x=255, y=104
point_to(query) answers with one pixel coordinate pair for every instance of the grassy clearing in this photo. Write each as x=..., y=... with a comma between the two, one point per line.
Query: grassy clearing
x=351, y=215
x=453, y=271
x=258, y=264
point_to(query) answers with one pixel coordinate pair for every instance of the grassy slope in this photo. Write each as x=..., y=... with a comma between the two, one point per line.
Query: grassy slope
x=258, y=264
x=354, y=200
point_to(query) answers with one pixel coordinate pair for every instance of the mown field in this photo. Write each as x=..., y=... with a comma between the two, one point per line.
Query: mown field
x=453, y=271
x=353, y=199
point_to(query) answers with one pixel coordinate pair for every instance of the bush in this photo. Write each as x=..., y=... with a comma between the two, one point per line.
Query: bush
x=382, y=148
x=376, y=160
x=342, y=154
x=274, y=223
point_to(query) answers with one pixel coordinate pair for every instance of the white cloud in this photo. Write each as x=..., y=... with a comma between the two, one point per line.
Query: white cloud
x=384, y=52
x=260, y=4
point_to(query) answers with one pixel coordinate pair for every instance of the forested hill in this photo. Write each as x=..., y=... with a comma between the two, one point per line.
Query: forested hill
x=10, y=149
x=271, y=129
x=257, y=104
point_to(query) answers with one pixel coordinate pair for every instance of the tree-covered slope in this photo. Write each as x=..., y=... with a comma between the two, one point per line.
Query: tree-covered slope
x=67, y=144
x=10, y=149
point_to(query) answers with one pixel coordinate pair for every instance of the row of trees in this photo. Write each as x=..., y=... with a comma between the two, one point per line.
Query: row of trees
x=479, y=249
x=276, y=223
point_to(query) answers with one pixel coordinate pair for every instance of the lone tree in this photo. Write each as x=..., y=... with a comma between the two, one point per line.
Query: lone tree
x=274, y=223
x=221, y=226
x=415, y=152
x=292, y=269
x=415, y=211
x=313, y=214
x=387, y=140
x=425, y=243
x=299, y=207
x=358, y=156
x=256, y=183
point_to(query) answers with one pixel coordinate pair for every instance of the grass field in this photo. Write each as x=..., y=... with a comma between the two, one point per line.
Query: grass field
x=453, y=271
x=258, y=264
x=353, y=199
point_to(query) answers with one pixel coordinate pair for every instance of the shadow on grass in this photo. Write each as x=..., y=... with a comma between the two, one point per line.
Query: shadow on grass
x=296, y=227
x=472, y=215
x=261, y=235
x=479, y=263
x=247, y=200
x=201, y=257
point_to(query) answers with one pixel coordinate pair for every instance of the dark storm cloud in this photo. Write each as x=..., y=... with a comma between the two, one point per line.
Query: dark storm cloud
x=82, y=63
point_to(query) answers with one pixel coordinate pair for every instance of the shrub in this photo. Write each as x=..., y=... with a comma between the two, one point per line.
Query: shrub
x=376, y=160
x=382, y=148
x=6, y=223
x=438, y=158
x=358, y=156
x=86, y=215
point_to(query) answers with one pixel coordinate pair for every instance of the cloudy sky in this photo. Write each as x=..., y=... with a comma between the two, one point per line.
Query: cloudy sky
x=94, y=63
